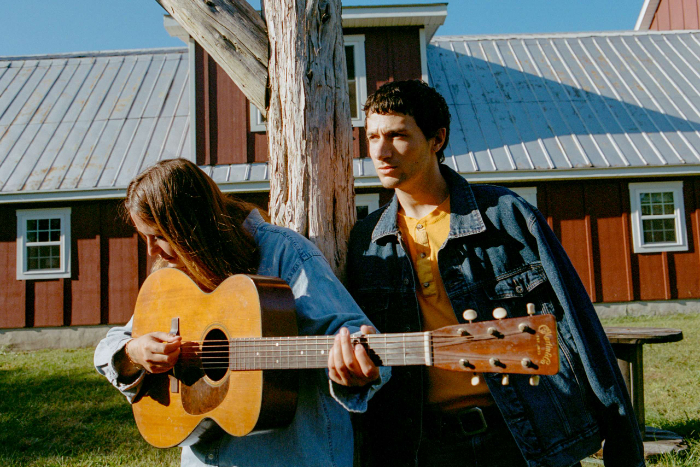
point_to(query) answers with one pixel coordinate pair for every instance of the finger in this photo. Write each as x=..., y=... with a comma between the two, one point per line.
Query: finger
x=348, y=352
x=368, y=368
x=365, y=329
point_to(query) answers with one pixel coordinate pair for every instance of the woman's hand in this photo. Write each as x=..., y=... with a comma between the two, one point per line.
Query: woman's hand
x=156, y=352
x=350, y=365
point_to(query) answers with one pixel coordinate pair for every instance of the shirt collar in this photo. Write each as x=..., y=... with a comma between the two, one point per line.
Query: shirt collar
x=465, y=218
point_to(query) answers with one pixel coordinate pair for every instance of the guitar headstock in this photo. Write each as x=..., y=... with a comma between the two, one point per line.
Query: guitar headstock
x=524, y=345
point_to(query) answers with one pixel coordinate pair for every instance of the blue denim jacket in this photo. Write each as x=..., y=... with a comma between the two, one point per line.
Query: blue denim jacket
x=320, y=433
x=500, y=252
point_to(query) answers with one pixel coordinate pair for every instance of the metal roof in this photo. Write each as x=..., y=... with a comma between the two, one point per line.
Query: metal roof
x=595, y=104
x=524, y=107
x=88, y=123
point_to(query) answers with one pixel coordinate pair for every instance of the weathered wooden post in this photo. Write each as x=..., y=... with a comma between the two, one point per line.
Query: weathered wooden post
x=308, y=120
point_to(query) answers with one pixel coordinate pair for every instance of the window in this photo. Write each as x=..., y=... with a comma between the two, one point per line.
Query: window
x=658, y=217
x=43, y=243
x=357, y=84
x=366, y=203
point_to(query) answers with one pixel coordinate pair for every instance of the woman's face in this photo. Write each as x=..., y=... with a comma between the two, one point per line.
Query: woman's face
x=157, y=245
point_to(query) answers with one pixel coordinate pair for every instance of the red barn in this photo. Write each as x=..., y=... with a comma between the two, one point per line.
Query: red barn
x=599, y=130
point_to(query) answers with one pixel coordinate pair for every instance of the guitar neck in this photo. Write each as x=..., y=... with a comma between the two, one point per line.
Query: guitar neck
x=271, y=353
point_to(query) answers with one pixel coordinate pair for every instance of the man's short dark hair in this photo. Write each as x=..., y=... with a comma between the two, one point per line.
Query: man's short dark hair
x=415, y=98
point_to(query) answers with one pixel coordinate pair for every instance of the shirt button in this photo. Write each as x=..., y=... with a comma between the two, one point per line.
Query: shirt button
x=422, y=255
x=426, y=284
x=419, y=226
x=210, y=456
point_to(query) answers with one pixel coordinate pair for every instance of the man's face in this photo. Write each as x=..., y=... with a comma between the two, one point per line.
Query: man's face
x=401, y=154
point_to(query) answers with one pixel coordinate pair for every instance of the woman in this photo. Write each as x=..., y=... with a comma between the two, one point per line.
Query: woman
x=190, y=225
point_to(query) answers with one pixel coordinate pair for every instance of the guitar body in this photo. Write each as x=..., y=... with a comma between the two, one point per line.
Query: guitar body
x=180, y=409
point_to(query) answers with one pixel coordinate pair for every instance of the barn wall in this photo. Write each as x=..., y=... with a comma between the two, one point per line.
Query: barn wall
x=591, y=219
x=676, y=15
x=223, y=112
x=104, y=266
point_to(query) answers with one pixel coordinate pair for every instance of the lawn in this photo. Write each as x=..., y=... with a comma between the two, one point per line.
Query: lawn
x=55, y=410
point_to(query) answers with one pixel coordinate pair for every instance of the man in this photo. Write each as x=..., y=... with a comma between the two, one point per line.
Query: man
x=443, y=246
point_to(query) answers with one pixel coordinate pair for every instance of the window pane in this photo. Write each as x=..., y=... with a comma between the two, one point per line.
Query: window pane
x=354, y=105
x=55, y=235
x=55, y=224
x=659, y=230
x=350, y=61
x=43, y=257
x=43, y=224
x=655, y=198
x=43, y=235
x=31, y=235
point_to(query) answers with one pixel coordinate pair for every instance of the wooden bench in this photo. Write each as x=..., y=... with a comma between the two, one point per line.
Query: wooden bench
x=628, y=343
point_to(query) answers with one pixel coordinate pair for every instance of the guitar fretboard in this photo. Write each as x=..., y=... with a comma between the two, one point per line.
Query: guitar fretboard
x=271, y=353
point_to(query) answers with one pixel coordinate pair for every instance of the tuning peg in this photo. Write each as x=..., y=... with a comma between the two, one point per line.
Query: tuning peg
x=500, y=313
x=469, y=315
x=505, y=381
x=475, y=380
x=534, y=380
x=526, y=363
x=525, y=328
x=530, y=309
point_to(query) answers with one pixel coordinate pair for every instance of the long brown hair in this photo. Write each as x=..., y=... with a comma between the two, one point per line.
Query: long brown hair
x=203, y=225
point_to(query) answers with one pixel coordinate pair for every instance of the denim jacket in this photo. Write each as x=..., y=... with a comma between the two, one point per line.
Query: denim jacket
x=500, y=252
x=320, y=433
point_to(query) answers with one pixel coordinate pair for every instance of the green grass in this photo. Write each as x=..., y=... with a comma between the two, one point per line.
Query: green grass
x=672, y=384
x=55, y=410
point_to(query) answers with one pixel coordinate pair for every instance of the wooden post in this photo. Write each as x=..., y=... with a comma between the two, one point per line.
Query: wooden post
x=309, y=125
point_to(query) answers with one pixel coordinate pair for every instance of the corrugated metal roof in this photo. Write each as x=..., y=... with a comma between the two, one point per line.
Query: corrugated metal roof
x=570, y=102
x=526, y=107
x=90, y=122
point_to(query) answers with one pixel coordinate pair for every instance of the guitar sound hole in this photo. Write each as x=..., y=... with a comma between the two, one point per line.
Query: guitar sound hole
x=215, y=353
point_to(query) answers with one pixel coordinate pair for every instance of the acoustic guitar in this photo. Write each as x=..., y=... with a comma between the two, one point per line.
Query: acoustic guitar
x=237, y=340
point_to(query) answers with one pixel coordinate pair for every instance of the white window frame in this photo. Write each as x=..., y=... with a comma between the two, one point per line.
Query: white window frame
x=64, y=270
x=681, y=243
x=357, y=41
x=528, y=193
x=371, y=200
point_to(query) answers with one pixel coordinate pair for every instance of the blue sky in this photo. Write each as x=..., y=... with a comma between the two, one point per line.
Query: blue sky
x=49, y=26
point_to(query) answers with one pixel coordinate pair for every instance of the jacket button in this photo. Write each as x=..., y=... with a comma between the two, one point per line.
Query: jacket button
x=519, y=289
x=405, y=281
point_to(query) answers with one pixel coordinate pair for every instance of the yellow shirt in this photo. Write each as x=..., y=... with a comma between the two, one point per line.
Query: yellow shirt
x=447, y=390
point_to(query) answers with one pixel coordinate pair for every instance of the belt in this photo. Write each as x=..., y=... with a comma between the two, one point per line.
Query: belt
x=461, y=424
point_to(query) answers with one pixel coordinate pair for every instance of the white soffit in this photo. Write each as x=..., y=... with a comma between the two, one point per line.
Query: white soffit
x=646, y=16
x=428, y=15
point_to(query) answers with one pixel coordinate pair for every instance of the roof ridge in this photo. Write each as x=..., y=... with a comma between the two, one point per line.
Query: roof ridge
x=558, y=35
x=99, y=53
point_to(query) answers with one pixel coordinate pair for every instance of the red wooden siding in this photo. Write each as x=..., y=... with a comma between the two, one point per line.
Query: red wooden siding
x=105, y=271
x=223, y=112
x=592, y=221
x=12, y=291
x=676, y=15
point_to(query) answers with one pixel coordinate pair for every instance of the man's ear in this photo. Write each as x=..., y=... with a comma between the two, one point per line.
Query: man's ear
x=439, y=139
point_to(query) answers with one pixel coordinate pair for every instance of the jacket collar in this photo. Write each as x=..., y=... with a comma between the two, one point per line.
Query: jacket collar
x=465, y=218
